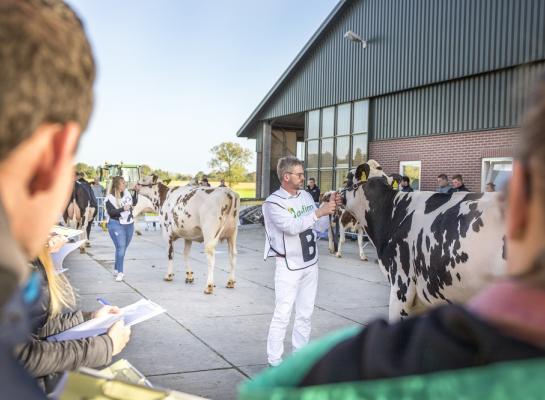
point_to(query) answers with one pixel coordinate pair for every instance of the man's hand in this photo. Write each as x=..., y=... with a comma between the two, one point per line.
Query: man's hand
x=105, y=310
x=120, y=335
x=329, y=207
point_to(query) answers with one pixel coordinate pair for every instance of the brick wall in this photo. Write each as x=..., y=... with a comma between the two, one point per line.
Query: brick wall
x=459, y=153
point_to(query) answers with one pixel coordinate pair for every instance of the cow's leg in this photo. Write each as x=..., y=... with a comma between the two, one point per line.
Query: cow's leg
x=188, y=271
x=363, y=257
x=331, y=245
x=170, y=274
x=402, y=299
x=232, y=244
x=341, y=240
x=210, y=251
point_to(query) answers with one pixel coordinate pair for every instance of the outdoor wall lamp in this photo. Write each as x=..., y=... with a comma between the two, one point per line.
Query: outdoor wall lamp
x=354, y=37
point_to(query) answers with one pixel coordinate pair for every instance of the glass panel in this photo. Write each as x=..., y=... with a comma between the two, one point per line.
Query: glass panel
x=301, y=151
x=326, y=180
x=312, y=154
x=343, y=151
x=359, y=149
x=311, y=173
x=343, y=119
x=327, y=153
x=498, y=172
x=313, y=129
x=328, y=121
x=412, y=170
x=361, y=116
x=340, y=177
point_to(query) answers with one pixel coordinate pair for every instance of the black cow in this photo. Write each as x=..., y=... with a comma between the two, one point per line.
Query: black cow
x=433, y=247
x=81, y=210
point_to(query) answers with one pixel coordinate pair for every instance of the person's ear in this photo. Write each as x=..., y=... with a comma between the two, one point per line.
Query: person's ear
x=518, y=203
x=57, y=144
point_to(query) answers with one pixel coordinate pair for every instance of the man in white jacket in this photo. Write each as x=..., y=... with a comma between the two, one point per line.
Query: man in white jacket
x=290, y=215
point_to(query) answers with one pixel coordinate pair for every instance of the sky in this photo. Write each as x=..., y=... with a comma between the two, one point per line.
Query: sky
x=177, y=77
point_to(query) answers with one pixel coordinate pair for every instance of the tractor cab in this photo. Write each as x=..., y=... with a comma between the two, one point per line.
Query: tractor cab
x=131, y=173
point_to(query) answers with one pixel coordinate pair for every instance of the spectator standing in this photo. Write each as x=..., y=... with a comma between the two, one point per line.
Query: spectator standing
x=222, y=183
x=442, y=184
x=490, y=187
x=205, y=182
x=314, y=190
x=458, y=184
x=406, y=184
x=119, y=205
x=98, y=190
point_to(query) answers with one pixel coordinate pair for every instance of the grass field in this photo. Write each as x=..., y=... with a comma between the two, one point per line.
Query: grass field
x=246, y=190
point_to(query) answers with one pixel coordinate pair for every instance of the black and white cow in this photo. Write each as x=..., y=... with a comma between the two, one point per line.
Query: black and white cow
x=433, y=247
x=346, y=221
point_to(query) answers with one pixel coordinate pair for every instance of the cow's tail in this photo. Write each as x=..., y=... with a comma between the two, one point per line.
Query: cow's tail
x=229, y=213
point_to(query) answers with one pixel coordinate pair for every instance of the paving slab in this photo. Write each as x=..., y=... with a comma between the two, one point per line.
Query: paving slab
x=207, y=344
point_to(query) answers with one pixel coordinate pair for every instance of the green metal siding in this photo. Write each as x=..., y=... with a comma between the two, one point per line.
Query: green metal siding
x=488, y=101
x=412, y=43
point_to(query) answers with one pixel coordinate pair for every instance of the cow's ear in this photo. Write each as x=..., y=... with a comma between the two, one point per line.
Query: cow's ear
x=362, y=172
x=167, y=181
x=154, y=178
x=394, y=180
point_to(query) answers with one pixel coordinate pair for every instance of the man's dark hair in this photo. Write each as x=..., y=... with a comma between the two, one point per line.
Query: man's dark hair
x=312, y=179
x=458, y=177
x=46, y=69
x=442, y=176
x=406, y=179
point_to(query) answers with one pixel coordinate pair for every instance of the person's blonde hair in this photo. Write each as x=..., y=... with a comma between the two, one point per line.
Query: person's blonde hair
x=114, y=189
x=61, y=293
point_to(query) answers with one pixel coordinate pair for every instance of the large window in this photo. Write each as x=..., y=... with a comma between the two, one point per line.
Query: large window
x=343, y=119
x=497, y=171
x=336, y=140
x=313, y=128
x=361, y=116
x=359, y=149
x=412, y=170
x=327, y=153
x=312, y=153
x=328, y=121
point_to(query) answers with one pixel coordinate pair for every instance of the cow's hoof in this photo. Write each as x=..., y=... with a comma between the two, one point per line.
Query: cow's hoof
x=189, y=277
x=82, y=250
x=331, y=251
x=231, y=284
x=189, y=280
x=87, y=244
x=364, y=259
x=338, y=255
x=209, y=289
x=138, y=233
x=169, y=277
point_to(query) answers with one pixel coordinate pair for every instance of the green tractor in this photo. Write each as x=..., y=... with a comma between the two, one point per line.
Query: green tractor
x=131, y=173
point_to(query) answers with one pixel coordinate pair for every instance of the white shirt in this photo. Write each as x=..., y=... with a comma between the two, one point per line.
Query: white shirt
x=289, y=222
x=126, y=217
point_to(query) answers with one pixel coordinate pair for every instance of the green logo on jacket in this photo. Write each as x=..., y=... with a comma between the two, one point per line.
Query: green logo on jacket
x=303, y=211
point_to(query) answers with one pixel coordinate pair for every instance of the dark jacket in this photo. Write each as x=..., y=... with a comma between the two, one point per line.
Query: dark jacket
x=446, y=338
x=460, y=189
x=43, y=359
x=315, y=193
x=406, y=189
x=114, y=212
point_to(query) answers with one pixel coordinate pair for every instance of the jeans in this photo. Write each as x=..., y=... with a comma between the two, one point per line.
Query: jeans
x=121, y=235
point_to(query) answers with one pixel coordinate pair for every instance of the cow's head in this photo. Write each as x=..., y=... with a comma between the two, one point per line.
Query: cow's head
x=356, y=200
x=154, y=189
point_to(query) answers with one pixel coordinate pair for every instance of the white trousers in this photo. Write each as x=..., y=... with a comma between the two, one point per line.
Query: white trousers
x=291, y=287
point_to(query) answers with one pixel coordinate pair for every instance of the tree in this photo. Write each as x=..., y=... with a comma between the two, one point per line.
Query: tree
x=229, y=161
x=89, y=171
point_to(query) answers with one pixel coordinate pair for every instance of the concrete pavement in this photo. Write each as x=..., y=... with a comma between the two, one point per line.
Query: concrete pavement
x=207, y=344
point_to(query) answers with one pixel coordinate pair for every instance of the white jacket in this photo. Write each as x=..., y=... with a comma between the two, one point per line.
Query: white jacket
x=289, y=226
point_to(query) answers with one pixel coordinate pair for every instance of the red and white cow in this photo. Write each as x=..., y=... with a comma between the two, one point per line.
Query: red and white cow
x=201, y=214
x=347, y=221
x=433, y=247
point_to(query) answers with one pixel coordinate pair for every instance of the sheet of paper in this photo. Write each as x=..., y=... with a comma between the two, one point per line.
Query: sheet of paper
x=132, y=314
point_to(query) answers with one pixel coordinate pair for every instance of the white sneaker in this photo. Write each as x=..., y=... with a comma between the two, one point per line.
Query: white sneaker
x=119, y=277
x=115, y=272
